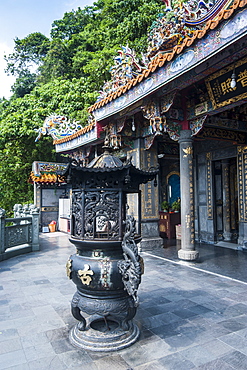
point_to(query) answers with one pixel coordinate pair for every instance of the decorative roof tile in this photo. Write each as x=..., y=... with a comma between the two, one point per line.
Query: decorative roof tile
x=46, y=173
x=83, y=131
x=46, y=179
x=160, y=59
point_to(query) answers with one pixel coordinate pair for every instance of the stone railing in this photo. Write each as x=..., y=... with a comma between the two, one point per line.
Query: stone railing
x=19, y=234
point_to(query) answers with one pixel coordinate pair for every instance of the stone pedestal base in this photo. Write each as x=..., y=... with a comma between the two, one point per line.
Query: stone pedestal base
x=227, y=237
x=103, y=336
x=150, y=243
x=188, y=255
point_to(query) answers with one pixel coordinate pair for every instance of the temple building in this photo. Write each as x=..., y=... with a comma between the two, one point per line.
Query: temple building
x=51, y=195
x=182, y=107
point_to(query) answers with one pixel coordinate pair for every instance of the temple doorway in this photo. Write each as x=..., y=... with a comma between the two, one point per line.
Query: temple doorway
x=226, y=219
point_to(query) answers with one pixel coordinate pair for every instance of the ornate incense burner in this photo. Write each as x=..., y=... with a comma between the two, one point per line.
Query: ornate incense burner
x=106, y=267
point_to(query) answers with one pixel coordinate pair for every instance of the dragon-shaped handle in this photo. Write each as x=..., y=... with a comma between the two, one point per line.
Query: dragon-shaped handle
x=131, y=268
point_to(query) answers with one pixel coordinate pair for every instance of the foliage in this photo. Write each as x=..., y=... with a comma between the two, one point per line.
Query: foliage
x=57, y=62
x=16, y=157
x=165, y=205
x=176, y=205
x=62, y=75
x=24, y=84
x=27, y=52
x=84, y=41
x=18, y=119
x=72, y=23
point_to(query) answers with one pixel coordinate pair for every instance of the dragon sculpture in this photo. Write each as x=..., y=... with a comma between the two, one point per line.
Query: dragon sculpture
x=57, y=127
x=131, y=268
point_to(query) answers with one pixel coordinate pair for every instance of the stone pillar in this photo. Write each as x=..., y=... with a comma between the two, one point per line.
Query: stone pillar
x=242, y=192
x=2, y=232
x=35, y=228
x=187, y=251
x=226, y=200
x=148, y=204
x=17, y=210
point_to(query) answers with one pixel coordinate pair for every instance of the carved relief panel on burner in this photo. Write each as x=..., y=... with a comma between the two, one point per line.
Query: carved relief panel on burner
x=100, y=218
x=101, y=214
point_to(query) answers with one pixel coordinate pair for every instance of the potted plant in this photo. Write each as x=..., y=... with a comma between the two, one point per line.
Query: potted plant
x=165, y=206
x=176, y=205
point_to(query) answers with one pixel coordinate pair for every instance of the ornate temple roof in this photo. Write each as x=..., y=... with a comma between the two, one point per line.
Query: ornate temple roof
x=179, y=40
x=76, y=134
x=62, y=129
x=222, y=12
x=106, y=160
x=127, y=172
x=46, y=173
x=46, y=179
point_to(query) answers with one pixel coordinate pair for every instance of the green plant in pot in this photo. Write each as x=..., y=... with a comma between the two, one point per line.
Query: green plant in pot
x=165, y=206
x=176, y=205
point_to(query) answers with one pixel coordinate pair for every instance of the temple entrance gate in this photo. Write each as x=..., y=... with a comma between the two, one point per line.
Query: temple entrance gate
x=225, y=200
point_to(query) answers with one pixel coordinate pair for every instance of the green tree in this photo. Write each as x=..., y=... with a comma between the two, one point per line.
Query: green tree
x=90, y=37
x=72, y=23
x=16, y=157
x=28, y=55
x=70, y=69
x=24, y=84
x=57, y=62
x=27, y=52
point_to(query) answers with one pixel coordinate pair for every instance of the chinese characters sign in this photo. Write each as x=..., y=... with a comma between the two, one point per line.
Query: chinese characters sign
x=219, y=84
x=242, y=182
x=149, y=191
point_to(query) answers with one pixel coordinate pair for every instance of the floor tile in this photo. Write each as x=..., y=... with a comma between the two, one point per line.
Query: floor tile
x=215, y=365
x=176, y=361
x=139, y=355
x=36, y=352
x=235, y=341
x=10, y=345
x=62, y=345
x=236, y=359
x=198, y=355
x=50, y=362
x=153, y=365
x=15, y=358
x=188, y=318
x=232, y=325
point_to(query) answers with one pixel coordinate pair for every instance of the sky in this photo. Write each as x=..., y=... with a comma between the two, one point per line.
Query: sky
x=19, y=18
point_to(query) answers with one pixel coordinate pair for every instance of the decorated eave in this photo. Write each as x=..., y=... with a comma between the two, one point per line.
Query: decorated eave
x=68, y=135
x=75, y=166
x=128, y=166
x=76, y=134
x=125, y=174
x=45, y=173
x=223, y=27
x=86, y=135
x=191, y=44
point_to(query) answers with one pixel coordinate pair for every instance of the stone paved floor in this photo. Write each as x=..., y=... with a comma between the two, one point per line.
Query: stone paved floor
x=189, y=318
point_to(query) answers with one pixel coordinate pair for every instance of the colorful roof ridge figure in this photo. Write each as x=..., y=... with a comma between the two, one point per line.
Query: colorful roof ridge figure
x=169, y=35
x=58, y=126
x=126, y=67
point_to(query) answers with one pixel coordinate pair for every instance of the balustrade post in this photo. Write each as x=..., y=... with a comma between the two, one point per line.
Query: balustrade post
x=2, y=231
x=34, y=212
x=17, y=210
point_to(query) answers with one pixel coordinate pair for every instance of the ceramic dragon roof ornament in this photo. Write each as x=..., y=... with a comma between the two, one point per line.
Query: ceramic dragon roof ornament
x=180, y=20
x=126, y=66
x=58, y=127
